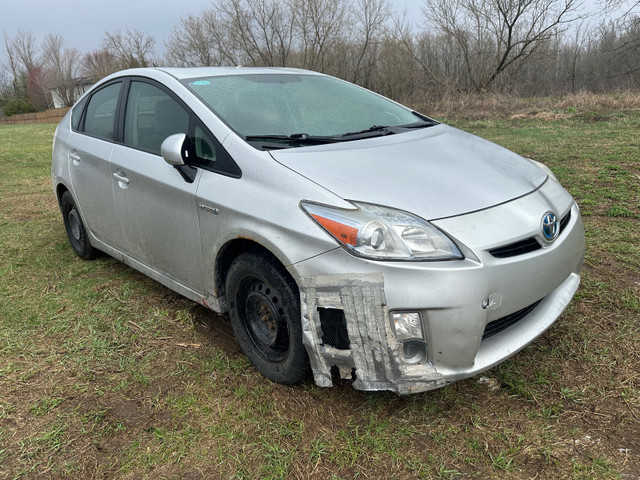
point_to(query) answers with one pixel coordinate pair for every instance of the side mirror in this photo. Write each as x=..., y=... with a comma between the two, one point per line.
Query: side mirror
x=173, y=148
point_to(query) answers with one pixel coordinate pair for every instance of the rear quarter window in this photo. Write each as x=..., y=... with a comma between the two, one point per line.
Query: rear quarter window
x=76, y=114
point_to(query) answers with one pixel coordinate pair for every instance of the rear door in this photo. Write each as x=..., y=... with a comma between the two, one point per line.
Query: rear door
x=91, y=145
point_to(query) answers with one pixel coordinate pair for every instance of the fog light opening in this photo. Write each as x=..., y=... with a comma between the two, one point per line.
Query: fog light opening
x=414, y=351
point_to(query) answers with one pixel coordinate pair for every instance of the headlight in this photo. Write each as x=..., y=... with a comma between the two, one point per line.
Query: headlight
x=383, y=233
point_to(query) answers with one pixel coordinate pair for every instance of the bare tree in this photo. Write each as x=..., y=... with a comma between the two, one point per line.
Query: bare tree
x=38, y=89
x=320, y=26
x=5, y=84
x=62, y=65
x=370, y=18
x=98, y=64
x=130, y=49
x=627, y=49
x=497, y=35
x=435, y=56
x=620, y=9
x=261, y=29
x=576, y=47
x=192, y=43
x=397, y=73
x=626, y=18
x=25, y=49
x=511, y=46
x=12, y=64
x=22, y=58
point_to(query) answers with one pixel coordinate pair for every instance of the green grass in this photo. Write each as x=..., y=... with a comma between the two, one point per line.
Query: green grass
x=106, y=374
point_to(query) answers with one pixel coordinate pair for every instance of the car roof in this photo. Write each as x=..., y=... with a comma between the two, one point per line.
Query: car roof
x=180, y=74
x=194, y=72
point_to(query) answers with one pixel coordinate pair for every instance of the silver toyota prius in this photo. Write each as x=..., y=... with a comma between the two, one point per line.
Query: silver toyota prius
x=343, y=234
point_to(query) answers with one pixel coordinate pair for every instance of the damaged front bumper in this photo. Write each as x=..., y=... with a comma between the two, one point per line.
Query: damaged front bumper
x=374, y=357
x=456, y=304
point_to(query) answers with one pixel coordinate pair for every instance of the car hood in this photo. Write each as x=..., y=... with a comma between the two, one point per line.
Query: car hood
x=434, y=172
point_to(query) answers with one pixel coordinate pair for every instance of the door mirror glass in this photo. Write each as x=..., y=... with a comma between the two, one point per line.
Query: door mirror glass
x=173, y=149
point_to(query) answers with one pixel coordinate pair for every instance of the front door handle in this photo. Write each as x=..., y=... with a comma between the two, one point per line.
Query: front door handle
x=121, y=177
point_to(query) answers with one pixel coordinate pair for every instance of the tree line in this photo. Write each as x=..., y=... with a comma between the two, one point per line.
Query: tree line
x=517, y=47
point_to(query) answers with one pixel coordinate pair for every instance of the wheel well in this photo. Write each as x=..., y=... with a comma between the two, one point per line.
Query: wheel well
x=60, y=189
x=229, y=252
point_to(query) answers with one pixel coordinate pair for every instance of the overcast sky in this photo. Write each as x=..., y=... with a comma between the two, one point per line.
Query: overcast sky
x=83, y=23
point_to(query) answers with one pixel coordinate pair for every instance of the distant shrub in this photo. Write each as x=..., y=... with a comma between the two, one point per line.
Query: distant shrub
x=16, y=106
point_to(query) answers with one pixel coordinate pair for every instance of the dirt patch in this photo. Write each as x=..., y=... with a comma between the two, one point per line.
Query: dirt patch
x=216, y=330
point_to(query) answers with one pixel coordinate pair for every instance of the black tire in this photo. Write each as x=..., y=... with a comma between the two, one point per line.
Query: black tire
x=76, y=232
x=264, y=308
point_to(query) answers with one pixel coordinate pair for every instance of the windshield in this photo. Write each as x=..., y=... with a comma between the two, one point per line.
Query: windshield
x=299, y=106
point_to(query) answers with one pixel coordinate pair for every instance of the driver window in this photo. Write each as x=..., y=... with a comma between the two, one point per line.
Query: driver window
x=151, y=116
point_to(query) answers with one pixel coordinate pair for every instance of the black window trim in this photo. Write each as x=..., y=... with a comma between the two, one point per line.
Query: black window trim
x=122, y=102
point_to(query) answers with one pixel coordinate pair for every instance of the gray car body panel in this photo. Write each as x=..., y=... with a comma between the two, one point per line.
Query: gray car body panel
x=492, y=197
x=157, y=191
x=471, y=173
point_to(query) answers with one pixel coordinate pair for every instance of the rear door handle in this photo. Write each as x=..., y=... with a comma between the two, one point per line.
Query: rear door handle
x=75, y=158
x=121, y=177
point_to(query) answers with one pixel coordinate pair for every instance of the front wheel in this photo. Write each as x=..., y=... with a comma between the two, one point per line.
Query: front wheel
x=75, y=228
x=264, y=308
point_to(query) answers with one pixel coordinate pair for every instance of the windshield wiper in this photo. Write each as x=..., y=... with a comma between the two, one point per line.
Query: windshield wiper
x=381, y=130
x=374, y=128
x=294, y=138
x=271, y=141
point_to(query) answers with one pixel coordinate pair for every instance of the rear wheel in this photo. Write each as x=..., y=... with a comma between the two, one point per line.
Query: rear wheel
x=265, y=316
x=75, y=228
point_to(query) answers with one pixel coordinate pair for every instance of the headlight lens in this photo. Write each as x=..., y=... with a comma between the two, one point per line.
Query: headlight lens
x=383, y=233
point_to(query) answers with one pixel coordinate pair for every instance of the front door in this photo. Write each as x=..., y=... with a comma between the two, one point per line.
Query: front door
x=156, y=207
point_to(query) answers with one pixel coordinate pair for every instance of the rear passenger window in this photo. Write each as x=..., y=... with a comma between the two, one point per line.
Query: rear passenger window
x=151, y=116
x=101, y=112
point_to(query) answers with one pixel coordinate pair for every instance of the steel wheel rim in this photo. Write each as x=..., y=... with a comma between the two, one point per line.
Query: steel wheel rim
x=74, y=224
x=264, y=319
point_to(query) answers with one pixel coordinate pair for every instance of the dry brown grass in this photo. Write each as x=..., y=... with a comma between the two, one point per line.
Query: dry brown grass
x=483, y=106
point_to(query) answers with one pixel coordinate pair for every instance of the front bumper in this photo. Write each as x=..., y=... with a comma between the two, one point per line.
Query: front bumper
x=451, y=298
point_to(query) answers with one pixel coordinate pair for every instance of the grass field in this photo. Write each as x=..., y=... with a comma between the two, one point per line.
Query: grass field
x=106, y=374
